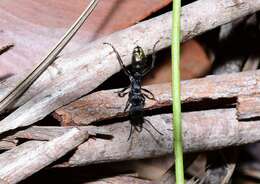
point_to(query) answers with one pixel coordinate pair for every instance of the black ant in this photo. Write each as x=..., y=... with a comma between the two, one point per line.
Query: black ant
x=137, y=94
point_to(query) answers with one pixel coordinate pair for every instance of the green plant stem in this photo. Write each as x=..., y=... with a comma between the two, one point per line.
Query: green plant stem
x=176, y=107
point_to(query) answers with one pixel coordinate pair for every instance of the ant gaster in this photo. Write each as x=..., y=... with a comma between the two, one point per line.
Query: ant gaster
x=137, y=94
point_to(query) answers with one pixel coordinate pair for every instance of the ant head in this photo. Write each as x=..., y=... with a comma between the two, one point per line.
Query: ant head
x=138, y=58
x=138, y=54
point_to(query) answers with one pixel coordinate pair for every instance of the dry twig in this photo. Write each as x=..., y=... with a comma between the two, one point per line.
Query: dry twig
x=106, y=104
x=22, y=85
x=78, y=74
x=120, y=180
x=199, y=130
x=21, y=162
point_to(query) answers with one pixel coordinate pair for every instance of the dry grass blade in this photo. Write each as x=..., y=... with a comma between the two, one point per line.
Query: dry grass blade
x=5, y=48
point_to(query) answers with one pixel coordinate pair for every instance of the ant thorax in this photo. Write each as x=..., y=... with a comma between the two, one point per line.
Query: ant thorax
x=137, y=75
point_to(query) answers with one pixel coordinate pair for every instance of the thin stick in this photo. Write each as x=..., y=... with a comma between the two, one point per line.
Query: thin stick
x=199, y=129
x=5, y=48
x=27, y=159
x=176, y=106
x=86, y=70
x=22, y=86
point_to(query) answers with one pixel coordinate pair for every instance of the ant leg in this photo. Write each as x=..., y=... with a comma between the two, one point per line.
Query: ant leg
x=153, y=60
x=149, y=132
x=153, y=126
x=142, y=99
x=130, y=134
x=151, y=98
x=153, y=55
x=122, y=92
x=149, y=92
x=127, y=105
x=126, y=71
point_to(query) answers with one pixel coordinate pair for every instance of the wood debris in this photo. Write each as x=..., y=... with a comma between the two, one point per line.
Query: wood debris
x=219, y=111
x=106, y=104
x=85, y=76
x=28, y=158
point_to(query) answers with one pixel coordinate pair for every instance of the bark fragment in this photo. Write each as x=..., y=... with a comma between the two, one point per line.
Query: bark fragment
x=248, y=106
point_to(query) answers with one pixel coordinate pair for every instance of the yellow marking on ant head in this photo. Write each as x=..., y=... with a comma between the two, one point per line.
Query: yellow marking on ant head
x=138, y=54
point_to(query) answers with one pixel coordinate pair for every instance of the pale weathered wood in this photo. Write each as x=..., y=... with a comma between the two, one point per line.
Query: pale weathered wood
x=226, y=61
x=75, y=75
x=45, y=133
x=230, y=66
x=167, y=178
x=7, y=144
x=193, y=23
x=18, y=152
x=120, y=180
x=202, y=130
x=51, y=132
x=229, y=58
x=21, y=162
x=252, y=62
x=248, y=106
x=106, y=104
x=153, y=168
x=25, y=82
